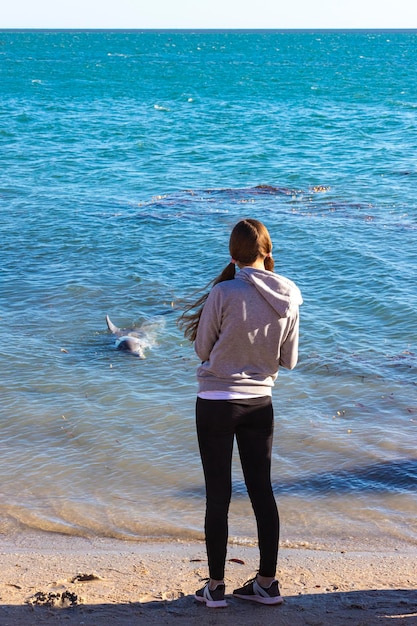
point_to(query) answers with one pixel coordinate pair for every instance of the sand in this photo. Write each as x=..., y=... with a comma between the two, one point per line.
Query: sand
x=54, y=579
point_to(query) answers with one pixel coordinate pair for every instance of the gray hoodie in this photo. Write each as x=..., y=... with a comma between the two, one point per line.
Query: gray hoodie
x=248, y=328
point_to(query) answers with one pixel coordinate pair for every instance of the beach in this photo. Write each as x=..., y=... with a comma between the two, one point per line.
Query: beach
x=54, y=579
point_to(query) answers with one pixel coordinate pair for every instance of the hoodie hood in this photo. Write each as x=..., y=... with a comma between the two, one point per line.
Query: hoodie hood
x=281, y=293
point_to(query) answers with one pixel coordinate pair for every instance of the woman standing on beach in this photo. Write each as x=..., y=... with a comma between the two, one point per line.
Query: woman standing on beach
x=243, y=330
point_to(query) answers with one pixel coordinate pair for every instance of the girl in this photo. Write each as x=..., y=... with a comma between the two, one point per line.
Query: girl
x=243, y=330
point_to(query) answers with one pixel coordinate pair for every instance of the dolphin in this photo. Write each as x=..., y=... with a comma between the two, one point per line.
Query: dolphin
x=130, y=340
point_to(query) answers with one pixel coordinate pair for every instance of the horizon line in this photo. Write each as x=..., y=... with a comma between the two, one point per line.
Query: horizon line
x=199, y=29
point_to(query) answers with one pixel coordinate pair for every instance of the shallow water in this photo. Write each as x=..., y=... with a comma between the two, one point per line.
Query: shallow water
x=126, y=160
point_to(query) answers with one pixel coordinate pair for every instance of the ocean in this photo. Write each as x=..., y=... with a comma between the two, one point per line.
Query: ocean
x=126, y=159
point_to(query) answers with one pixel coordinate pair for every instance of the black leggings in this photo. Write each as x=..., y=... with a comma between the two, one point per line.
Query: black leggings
x=252, y=421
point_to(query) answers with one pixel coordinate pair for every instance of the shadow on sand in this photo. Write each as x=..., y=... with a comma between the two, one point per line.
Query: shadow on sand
x=354, y=608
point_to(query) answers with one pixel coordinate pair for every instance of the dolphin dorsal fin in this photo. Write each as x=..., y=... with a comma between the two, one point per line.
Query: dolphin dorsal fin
x=111, y=326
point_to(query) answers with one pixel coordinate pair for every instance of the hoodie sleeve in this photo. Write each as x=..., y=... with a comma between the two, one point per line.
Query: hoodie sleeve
x=289, y=347
x=209, y=325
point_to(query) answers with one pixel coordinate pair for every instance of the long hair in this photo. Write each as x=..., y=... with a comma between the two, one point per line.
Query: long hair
x=248, y=241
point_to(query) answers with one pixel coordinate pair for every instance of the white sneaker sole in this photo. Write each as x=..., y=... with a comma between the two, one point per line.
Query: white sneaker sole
x=212, y=604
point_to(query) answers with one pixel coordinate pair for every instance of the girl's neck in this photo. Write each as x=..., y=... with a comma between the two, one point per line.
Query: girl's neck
x=258, y=264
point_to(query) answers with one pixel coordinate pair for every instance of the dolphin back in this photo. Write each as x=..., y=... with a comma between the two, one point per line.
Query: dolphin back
x=130, y=344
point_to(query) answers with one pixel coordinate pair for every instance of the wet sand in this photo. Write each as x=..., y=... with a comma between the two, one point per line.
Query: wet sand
x=54, y=579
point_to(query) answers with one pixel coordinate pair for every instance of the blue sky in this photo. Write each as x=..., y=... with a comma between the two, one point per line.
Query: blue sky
x=208, y=14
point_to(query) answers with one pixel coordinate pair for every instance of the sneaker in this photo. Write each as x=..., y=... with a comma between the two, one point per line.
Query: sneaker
x=252, y=590
x=214, y=598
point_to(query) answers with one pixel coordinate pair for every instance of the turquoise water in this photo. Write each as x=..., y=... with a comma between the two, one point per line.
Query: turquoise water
x=126, y=158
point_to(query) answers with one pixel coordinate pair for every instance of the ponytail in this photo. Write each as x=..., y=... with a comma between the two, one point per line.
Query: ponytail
x=269, y=263
x=188, y=322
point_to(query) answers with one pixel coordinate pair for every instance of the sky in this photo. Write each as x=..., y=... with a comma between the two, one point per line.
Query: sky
x=197, y=14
